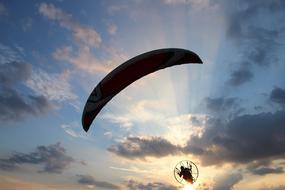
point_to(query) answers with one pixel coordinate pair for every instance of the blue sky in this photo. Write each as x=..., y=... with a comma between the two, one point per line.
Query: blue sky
x=226, y=115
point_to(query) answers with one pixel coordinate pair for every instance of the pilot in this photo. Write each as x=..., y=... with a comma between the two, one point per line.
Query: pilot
x=186, y=173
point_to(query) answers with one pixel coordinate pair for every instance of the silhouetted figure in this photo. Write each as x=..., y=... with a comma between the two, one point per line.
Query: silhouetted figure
x=186, y=173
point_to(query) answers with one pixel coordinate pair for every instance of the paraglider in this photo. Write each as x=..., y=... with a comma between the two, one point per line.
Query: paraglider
x=186, y=172
x=130, y=71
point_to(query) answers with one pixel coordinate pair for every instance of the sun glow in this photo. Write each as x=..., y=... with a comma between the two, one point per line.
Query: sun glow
x=188, y=187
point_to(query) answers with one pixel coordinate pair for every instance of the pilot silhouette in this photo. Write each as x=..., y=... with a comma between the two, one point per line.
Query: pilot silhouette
x=186, y=173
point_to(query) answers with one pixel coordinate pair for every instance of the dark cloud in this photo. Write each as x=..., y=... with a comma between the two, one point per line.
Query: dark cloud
x=134, y=185
x=226, y=182
x=242, y=139
x=278, y=96
x=223, y=106
x=250, y=26
x=267, y=170
x=53, y=158
x=220, y=104
x=238, y=77
x=258, y=164
x=89, y=180
x=13, y=72
x=196, y=121
x=14, y=105
x=136, y=147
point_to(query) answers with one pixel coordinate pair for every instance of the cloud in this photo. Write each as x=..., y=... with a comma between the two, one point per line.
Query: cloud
x=53, y=158
x=3, y=10
x=195, y=121
x=92, y=182
x=255, y=38
x=14, y=183
x=87, y=39
x=259, y=36
x=74, y=129
x=267, y=170
x=235, y=139
x=46, y=88
x=27, y=24
x=278, y=96
x=14, y=105
x=54, y=87
x=221, y=104
x=227, y=181
x=147, y=110
x=196, y=4
x=86, y=61
x=173, y=2
x=138, y=147
x=242, y=139
x=8, y=54
x=115, y=8
x=239, y=77
x=123, y=121
x=13, y=72
x=273, y=188
x=83, y=34
x=131, y=169
x=112, y=29
x=134, y=185
x=180, y=128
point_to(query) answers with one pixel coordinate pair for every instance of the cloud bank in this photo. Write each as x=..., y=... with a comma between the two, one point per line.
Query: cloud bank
x=241, y=138
x=92, y=182
x=53, y=159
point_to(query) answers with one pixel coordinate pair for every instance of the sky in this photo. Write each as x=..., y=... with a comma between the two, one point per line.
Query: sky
x=226, y=115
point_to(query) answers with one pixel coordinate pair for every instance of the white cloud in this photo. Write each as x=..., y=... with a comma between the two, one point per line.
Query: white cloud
x=87, y=38
x=74, y=129
x=112, y=29
x=8, y=54
x=176, y=1
x=63, y=53
x=180, y=128
x=122, y=121
x=131, y=169
x=108, y=134
x=83, y=34
x=148, y=110
x=87, y=62
x=175, y=128
x=55, y=87
x=117, y=8
x=196, y=4
x=143, y=111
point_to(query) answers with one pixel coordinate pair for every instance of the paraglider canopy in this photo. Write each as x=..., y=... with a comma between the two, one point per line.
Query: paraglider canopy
x=130, y=71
